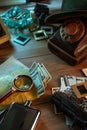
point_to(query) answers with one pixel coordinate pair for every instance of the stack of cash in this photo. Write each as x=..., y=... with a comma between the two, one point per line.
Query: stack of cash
x=40, y=76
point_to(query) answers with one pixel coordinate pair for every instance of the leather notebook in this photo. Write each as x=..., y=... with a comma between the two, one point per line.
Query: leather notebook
x=20, y=117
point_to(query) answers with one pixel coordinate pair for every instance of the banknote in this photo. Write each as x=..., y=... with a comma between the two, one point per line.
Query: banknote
x=36, y=67
x=32, y=68
x=40, y=76
x=39, y=68
x=46, y=73
x=36, y=76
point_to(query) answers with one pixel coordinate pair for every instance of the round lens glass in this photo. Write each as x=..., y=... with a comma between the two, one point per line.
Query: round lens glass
x=23, y=82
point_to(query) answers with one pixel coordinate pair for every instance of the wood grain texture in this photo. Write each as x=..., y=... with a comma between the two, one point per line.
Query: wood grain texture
x=38, y=51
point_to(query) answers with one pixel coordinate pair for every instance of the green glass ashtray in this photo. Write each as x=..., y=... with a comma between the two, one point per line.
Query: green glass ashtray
x=17, y=17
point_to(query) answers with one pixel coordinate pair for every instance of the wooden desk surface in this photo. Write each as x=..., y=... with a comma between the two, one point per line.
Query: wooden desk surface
x=38, y=51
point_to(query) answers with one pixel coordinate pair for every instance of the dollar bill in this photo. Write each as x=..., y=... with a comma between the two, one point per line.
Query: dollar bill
x=40, y=76
x=32, y=68
x=46, y=73
x=36, y=67
x=38, y=83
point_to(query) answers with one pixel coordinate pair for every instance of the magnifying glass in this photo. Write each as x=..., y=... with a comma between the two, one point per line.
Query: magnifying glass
x=20, y=83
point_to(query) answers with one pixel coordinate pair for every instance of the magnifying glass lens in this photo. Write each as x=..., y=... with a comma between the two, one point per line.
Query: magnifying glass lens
x=23, y=82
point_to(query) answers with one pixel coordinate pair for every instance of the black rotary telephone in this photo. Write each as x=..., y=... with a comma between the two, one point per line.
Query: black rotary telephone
x=70, y=40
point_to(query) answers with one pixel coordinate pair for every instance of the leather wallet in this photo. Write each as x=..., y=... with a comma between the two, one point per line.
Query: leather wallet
x=19, y=117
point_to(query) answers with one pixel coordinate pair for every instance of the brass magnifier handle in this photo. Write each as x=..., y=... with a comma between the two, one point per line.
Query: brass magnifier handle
x=5, y=96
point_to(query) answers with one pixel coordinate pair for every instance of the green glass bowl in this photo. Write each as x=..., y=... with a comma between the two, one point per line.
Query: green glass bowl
x=17, y=17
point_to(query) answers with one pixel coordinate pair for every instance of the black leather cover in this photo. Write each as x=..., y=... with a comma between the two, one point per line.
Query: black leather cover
x=19, y=117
